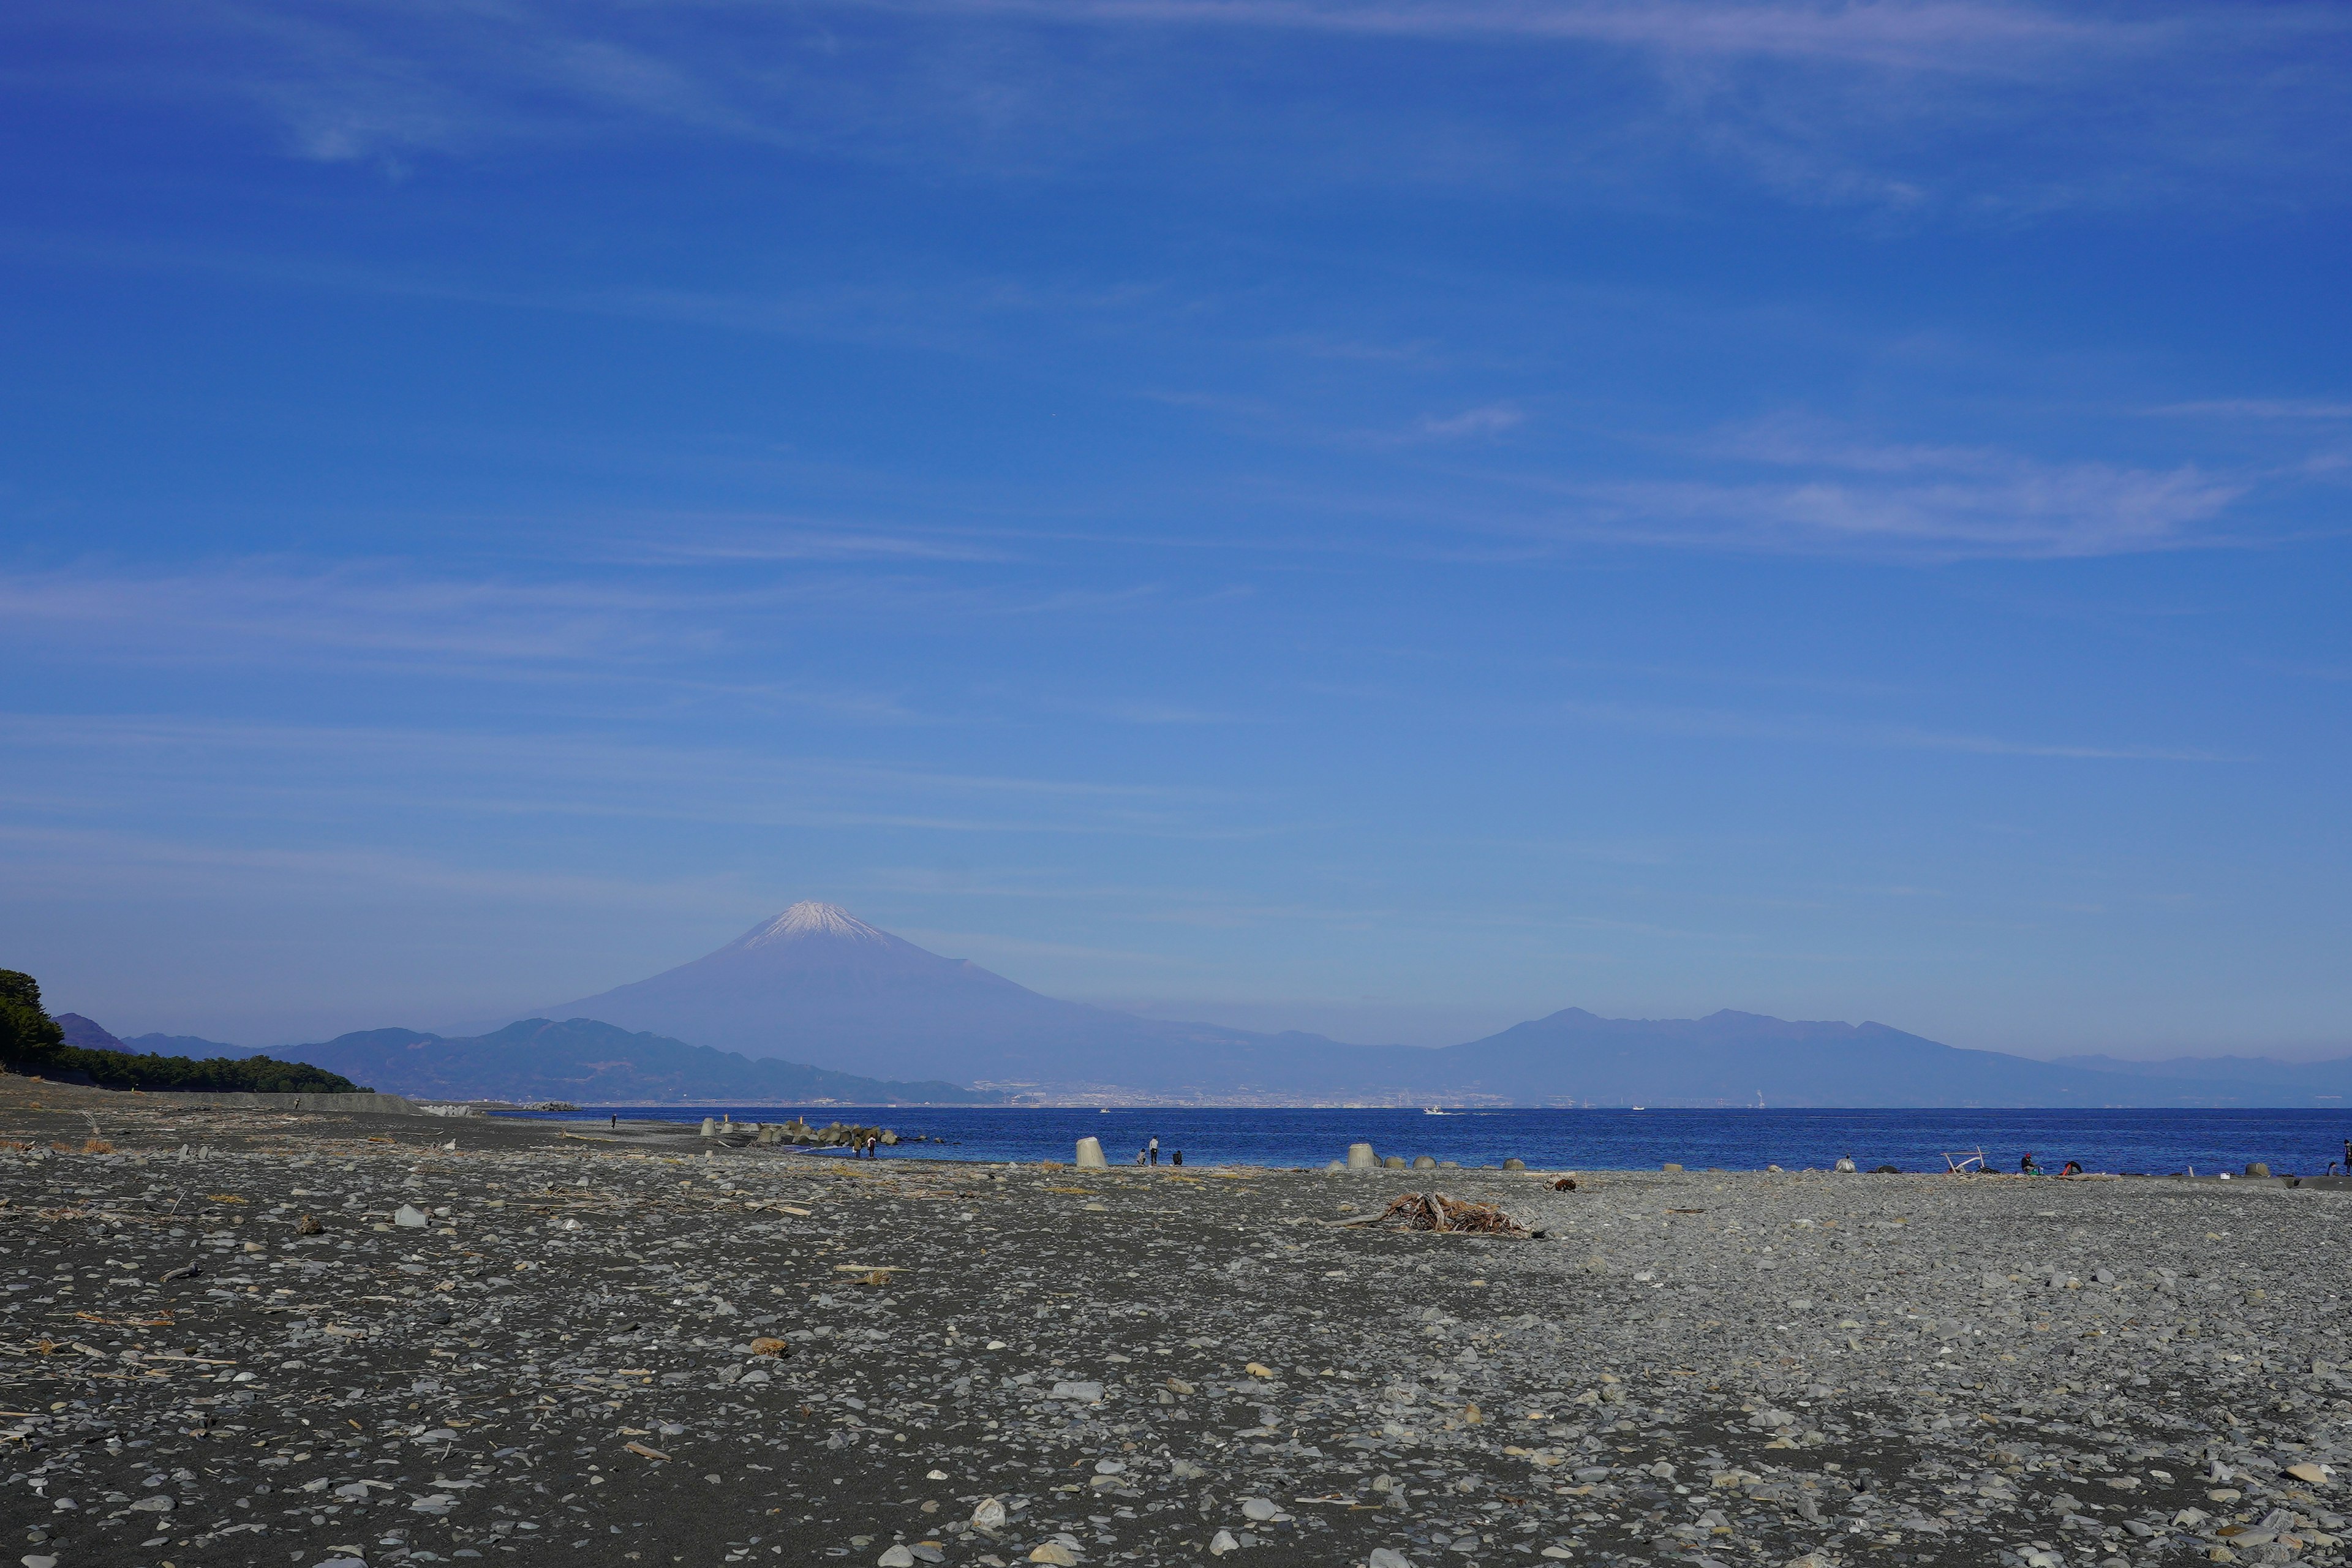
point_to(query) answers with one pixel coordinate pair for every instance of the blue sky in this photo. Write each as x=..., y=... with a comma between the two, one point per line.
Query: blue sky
x=1387, y=518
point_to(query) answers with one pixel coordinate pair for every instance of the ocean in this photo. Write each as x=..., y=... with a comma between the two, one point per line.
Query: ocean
x=2153, y=1143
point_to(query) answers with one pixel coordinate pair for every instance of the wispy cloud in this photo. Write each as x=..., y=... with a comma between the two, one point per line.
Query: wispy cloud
x=1155, y=714
x=1742, y=724
x=951, y=309
x=1491, y=419
x=77, y=862
x=1851, y=496
x=2036, y=511
x=703, y=540
x=360, y=608
x=389, y=614
x=251, y=771
x=1821, y=99
x=1939, y=36
x=2261, y=408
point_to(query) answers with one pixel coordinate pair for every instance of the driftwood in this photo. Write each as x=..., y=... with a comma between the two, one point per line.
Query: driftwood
x=1435, y=1211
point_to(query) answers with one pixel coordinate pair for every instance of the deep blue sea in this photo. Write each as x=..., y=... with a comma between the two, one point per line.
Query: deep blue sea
x=2147, y=1142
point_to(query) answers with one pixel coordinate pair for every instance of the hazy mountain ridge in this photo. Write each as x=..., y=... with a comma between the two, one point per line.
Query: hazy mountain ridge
x=590, y=1062
x=821, y=985
x=92, y=1035
x=195, y=1046
x=89, y=1053
x=88, y=1034
x=815, y=1003
x=1732, y=1059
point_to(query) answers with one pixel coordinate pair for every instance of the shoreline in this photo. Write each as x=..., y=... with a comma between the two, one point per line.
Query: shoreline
x=638, y=1127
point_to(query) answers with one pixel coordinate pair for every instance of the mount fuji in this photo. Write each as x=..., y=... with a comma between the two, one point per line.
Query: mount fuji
x=817, y=984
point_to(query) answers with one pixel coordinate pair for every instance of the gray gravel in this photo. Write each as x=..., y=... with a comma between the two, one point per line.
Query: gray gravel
x=593, y=1354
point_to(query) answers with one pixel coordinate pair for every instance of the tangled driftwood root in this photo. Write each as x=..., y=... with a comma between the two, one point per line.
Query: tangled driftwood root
x=1435, y=1211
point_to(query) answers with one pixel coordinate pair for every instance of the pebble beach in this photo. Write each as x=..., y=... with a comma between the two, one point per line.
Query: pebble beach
x=262, y=1338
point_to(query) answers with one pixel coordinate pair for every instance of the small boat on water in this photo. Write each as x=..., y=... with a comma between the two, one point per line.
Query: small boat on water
x=1430, y=1111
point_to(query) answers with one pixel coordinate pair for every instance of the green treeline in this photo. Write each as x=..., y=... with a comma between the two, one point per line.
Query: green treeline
x=31, y=1042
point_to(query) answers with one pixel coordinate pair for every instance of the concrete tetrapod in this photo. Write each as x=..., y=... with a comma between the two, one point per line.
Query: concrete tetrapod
x=1359, y=1157
x=1090, y=1155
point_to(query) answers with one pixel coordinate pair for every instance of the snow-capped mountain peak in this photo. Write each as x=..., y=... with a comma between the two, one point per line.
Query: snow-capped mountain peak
x=811, y=918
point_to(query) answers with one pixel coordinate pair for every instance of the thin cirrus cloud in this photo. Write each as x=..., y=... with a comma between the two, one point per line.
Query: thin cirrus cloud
x=1491, y=419
x=1816, y=100
x=2084, y=510
x=384, y=612
x=1485, y=422
x=1915, y=501
x=702, y=542
x=1715, y=723
x=1940, y=36
x=943, y=309
x=224, y=610
x=2261, y=409
x=505, y=754
x=237, y=776
x=75, y=862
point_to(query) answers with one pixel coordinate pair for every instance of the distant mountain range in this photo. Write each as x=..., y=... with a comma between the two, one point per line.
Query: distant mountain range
x=582, y=1062
x=806, y=1007
x=592, y=1063
x=88, y=1034
x=1728, y=1058
x=818, y=985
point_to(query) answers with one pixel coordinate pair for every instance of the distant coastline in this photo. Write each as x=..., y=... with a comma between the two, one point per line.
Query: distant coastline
x=2149, y=1141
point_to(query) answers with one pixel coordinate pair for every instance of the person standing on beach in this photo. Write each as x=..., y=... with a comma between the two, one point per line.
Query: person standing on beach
x=1154, y=1149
